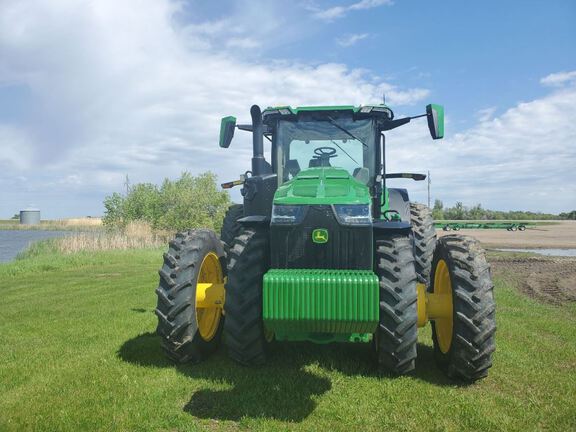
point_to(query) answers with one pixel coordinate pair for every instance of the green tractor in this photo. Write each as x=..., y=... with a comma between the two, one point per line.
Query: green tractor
x=322, y=250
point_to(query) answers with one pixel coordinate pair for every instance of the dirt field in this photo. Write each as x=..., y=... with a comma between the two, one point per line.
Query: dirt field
x=548, y=279
x=560, y=235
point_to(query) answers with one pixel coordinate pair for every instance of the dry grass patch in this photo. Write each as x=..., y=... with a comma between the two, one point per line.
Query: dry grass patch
x=72, y=224
x=136, y=235
x=76, y=222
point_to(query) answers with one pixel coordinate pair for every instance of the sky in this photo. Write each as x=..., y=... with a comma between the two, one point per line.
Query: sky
x=94, y=91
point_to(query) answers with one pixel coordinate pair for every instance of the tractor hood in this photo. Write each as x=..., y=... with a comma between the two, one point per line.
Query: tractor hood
x=323, y=185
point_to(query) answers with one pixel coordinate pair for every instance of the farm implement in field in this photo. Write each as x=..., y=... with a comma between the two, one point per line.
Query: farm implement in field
x=322, y=250
x=457, y=226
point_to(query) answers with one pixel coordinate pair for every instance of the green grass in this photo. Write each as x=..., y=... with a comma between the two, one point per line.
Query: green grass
x=79, y=353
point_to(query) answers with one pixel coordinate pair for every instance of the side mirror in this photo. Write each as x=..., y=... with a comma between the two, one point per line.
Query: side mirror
x=227, y=126
x=435, y=116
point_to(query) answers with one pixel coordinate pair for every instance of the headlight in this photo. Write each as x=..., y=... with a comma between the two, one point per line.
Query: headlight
x=288, y=214
x=355, y=214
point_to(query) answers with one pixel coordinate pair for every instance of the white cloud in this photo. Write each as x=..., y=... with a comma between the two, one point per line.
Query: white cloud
x=485, y=114
x=15, y=148
x=522, y=160
x=336, y=12
x=243, y=42
x=122, y=88
x=352, y=39
x=395, y=97
x=559, y=79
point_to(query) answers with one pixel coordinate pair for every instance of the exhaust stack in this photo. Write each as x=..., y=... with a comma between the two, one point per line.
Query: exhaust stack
x=258, y=162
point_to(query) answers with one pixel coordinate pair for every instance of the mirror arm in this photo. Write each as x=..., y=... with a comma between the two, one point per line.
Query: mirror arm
x=248, y=128
x=413, y=176
x=418, y=116
x=393, y=124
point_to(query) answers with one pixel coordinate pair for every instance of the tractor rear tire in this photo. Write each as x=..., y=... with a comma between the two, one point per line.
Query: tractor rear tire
x=397, y=332
x=249, y=260
x=230, y=226
x=424, y=240
x=194, y=256
x=471, y=343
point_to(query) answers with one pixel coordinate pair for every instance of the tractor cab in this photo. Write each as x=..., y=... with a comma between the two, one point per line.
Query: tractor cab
x=325, y=139
x=343, y=144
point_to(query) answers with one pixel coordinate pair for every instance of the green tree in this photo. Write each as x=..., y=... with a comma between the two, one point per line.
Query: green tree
x=438, y=210
x=114, y=210
x=142, y=203
x=477, y=212
x=184, y=203
x=455, y=213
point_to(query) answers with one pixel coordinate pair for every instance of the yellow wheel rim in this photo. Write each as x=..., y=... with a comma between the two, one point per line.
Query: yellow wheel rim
x=443, y=326
x=208, y=318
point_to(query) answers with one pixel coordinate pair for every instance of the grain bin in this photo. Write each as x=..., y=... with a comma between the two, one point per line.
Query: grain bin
x=30, y=216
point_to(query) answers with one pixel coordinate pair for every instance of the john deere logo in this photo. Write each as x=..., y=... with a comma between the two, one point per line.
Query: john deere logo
x=320, y=235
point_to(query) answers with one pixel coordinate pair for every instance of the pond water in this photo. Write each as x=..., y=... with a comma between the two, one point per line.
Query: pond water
x=547, y=252
x=13, y=242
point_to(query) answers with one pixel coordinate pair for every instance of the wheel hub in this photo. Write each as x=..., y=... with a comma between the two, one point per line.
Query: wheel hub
x=209, y=296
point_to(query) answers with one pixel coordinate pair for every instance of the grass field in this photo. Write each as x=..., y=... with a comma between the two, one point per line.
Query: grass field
x=79, y=353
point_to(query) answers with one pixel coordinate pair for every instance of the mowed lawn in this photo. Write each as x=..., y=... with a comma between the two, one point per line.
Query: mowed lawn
x=78, y=352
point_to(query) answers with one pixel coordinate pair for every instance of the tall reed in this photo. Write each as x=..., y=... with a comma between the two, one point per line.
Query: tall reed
x=136, y=235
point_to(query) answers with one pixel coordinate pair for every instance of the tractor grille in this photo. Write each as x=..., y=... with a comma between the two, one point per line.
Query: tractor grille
x=348, y=247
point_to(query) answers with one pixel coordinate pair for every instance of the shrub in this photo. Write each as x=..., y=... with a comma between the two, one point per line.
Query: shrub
x=188, y=202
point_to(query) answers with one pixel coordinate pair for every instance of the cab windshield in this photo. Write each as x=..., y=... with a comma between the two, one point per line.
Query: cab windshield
x=342, y=143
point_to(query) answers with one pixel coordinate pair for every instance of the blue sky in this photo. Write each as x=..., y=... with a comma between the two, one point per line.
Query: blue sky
x=93, y=91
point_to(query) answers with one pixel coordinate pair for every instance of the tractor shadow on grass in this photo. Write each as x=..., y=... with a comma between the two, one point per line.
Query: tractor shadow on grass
x=286, y=388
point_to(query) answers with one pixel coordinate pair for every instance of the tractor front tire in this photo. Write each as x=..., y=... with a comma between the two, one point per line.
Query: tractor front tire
x=190, y=333
x=249, y=260
x=424, y=240
x=230, y=226
x=463, y=345
x=397, y=332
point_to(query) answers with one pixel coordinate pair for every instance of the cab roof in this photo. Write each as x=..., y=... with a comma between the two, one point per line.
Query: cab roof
x=367, y=110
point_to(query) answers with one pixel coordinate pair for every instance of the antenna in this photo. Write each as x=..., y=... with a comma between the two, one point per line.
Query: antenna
x=127, y=184
x=383, y=98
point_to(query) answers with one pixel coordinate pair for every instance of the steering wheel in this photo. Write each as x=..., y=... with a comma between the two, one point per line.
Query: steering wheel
x=325, y=152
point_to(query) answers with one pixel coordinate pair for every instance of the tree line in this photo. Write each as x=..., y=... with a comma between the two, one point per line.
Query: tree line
x=462, y=212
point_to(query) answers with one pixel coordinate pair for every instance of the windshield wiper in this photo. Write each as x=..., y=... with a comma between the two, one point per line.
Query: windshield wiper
x=345, y=152
x=346, y=131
